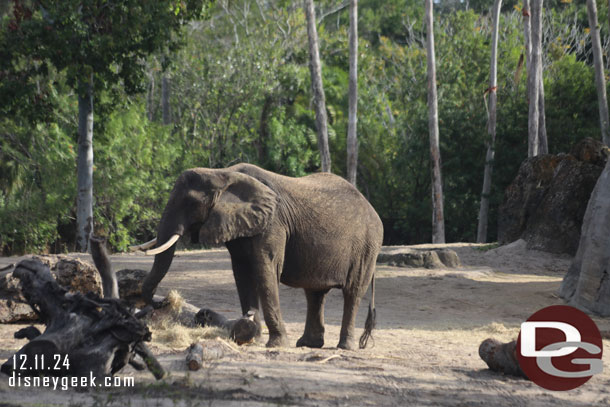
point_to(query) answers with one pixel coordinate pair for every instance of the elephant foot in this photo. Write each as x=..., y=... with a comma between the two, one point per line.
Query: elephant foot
x=310, y=342
x=276, y=341
x=346, y=343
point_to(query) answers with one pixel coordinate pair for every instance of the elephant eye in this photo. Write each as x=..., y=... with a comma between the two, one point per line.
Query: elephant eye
x=196, y=207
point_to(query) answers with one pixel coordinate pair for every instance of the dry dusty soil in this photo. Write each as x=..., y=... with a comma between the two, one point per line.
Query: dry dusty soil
x=429, y=327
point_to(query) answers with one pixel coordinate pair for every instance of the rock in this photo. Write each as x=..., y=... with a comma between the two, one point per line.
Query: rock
x=546, y=202
x=13, y=311
x=77, y=275
x=413, y=257
x=514, y=248
x=73, y=274
x=523, y=196
x=448, y=257
x=130, y=283
x=13, y=307
x=591, y=151
x=9, y=286
x=557, y=221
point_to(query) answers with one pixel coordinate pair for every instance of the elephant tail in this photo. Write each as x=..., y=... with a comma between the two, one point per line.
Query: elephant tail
x=369, y=325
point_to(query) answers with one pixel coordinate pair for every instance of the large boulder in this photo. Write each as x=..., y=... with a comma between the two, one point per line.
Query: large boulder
x=73, y=274
x=546, y=202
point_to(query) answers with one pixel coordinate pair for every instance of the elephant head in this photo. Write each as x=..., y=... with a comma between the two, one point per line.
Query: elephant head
x=212, y=205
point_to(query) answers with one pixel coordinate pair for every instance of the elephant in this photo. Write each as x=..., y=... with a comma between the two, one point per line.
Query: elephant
x=315, y=232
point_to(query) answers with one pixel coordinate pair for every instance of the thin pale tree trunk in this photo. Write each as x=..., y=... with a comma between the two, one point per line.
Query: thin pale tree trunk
x=600, y=80
x=491, y=127
x=319, y=99
x=526, y=32
x=543, y=144
x=542, y=137
x=165, y=105
x=150, y=99
x=84, y=169
x=438, y=218
x=534, y=73
x=352, y=121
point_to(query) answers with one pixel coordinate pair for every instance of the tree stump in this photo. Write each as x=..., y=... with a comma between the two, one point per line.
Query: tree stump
x=194, y=357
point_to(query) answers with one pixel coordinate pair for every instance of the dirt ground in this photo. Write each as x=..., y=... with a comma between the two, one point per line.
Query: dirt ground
x=425, y=351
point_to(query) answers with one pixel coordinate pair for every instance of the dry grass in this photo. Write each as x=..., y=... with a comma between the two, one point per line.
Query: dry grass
x=170, y=334
x=176, y=301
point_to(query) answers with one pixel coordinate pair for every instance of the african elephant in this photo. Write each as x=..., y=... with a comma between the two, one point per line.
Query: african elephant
x=316, y=232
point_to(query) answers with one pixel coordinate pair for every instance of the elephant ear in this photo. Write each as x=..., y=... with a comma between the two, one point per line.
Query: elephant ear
x=243, y=207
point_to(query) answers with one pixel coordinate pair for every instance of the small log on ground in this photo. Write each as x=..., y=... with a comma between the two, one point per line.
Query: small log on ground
x=194, y=356
x=501, y=357
x=243, y=330
x=96, y=336
x=207, y=351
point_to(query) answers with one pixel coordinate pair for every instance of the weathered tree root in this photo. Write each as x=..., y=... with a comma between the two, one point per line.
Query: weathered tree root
x=501, y=357
x=97, y=337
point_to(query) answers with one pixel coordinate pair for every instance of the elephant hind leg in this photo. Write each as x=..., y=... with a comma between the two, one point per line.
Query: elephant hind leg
x=313, y=337
x=350, y=309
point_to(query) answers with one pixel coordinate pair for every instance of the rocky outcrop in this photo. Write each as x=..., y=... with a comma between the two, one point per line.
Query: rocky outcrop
x=546, y=202
x=415, y=257
x=74, y=274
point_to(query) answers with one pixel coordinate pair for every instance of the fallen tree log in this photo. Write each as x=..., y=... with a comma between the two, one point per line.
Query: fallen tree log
x=85, y=335
x=243, y=330
x=501, y=357
x=194, y=356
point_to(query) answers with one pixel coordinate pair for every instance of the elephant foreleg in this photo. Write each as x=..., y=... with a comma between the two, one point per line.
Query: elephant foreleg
x=246, y=289
x=313, y=337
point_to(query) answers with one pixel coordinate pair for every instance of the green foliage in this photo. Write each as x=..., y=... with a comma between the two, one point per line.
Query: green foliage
x=35, y=194
x=240, y=92
x=134, y=173
x=108, y=39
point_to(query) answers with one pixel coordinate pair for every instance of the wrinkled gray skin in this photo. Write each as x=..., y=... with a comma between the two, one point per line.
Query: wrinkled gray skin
x=316, y=232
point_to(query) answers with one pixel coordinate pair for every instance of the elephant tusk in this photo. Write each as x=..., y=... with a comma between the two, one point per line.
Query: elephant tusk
x=164, y=246
x=143, y=246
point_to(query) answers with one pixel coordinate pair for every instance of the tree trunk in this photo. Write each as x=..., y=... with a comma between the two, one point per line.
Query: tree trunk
x=352, y=139
x=151, y=98
x=319, y=100
x=543, y=144
x=491, y=127
x=438, y=220
x=600, y=80
x=243, y=330
x=165, y=105
x=587, y=283
x=84, y=202
x=526, y=32
x=110, y=285
x=194, y=356
x=534, y=74
x=542, y=137
x=263, y=130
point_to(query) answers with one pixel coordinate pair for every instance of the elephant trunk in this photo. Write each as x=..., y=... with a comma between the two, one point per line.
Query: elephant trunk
x=168, y=233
